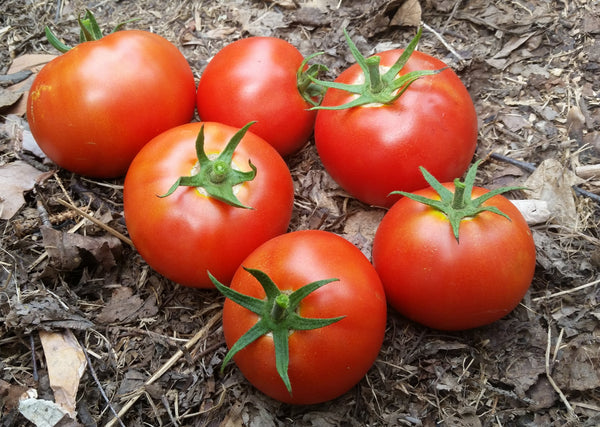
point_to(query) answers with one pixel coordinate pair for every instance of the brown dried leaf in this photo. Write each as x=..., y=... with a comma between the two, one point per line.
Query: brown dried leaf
x=578, y=367
x=11, y=394
x=124, y=305
x=69, y=251
x=553, y=182
x=408, y=15
x=8, y=97
x=31, y=62
x=66, y=364
x=360, y=229
x=524, y=371
x=15, y=178
x=45, y=312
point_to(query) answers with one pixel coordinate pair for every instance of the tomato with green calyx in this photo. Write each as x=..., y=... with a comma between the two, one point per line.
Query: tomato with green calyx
x=94, y=107
x=262, y=79
x=202, y=196
x=454, y=256
x=387, y=115
x=305, y=317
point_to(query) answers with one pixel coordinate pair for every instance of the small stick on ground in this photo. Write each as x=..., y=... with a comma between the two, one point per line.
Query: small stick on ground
x=168, y=364
x=102, y=392
x=563, y=398
x=100, y=224
x=444, y=42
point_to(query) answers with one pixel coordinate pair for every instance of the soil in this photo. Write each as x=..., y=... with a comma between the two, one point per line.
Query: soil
x=154, y=348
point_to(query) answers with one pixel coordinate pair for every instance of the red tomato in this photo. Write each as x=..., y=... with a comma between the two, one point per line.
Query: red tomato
x=323, y=363
x=93, y=108
x=187, y=233
x=254, y=79
x=440, y=282
x=375, y=149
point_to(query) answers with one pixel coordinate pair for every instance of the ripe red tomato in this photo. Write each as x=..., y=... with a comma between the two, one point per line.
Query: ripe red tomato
x=254, y=79
x=92, y=109
x=323, y=363
x=186, y=233
x=374, y=149
x=444, y=283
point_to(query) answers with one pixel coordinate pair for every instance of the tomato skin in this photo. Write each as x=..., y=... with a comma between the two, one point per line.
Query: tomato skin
x=186, y=233
x=431, y=279
x=326, y=362
x=93, y=108
x=373, y=150
x=255, y=79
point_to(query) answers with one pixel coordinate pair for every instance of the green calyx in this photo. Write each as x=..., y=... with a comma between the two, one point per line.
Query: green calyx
x=217, y=177
x=458, y=205
x=89, y=30
x=277, y=316
x=311, y=92
x=377, y=88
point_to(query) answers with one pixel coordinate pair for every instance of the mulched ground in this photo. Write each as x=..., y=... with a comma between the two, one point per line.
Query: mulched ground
x=155, y=348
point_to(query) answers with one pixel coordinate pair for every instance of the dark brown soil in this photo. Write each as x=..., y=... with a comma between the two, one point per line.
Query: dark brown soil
x=533, y=70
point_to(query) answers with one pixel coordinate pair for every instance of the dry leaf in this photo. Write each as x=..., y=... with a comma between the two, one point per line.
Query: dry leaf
x=8, y=97
x=15, y=178
x=360, y=229
x=553, y=182
x=69, y=251
x=408, y=15
x=42, y=413
x=17, y=132
x=34, y=63
x=66, y=364
x=11, y=394
x=44, y=311
x=534, y=211
x=123, y=305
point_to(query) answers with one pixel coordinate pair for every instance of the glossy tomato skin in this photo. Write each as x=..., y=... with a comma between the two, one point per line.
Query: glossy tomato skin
x=375, y=149
x=187, y=233
x=254, y=79
x=326, y=362
x=433, y=280
x=93, y=108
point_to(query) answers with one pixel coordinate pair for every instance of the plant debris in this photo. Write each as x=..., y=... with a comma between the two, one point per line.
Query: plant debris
x=153, y=348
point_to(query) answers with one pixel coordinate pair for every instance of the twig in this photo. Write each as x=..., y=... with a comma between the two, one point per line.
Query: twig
x=97, y=222
x=568, y=291
x=165, y=403
x=444, y=42
x=102, y=392
x=33, y=359
x=164, y=368
x=551, y=380
x=451, y=16
x=529, y=167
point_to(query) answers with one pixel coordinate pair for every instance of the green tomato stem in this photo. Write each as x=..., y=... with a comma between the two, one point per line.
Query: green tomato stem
x=277, y=315
x=378, y=88
x=218, y=172
x=218, y=177
x=89, y=30
x=280, y=308
x=458, y=205
x=459, y=193
x=373, y=75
